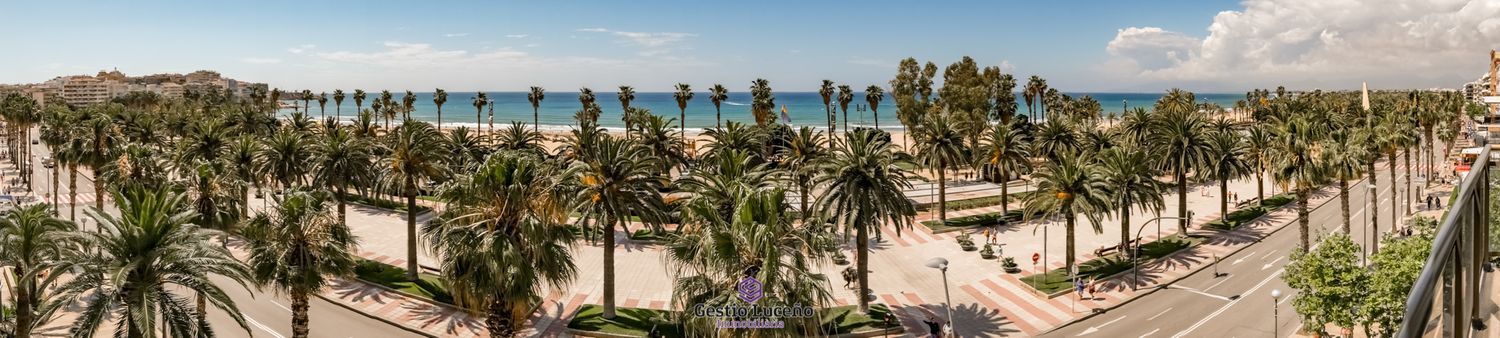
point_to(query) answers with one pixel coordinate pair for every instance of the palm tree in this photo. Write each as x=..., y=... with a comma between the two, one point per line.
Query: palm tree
x=517, y=138
x=1066, y=187
x=1131, y=180
x=762, y=102
x=536, y=96
x=626, y=95
x=102, y=137
x=480, y=100
x=940, y=146
x=243, y=156
x=655, y=133
x=1295, y=163
x=863, y=180
x=359, y=100
x=589, y=102
x=339, y=160
x=33, y=242
x=390, y=112
x=307, y=97
x=296, y=247
x=718, y=94
x=287, y=158
x=826, y=91
x=683, y=95
x=1344, y=154
x=504, y=238
x=414, y=156
x=439, y=97
x=1035, y=87
x=846, y=95
x=1227, y=160
x=1179, y=134
x=56, y=130
x=338, y=104
x=1003, y=151
x=873, y=95
x=1258, y=147
x=322, y=105
x=616, y=179
x=408, y=104
x=801, y=157
x=146, y=257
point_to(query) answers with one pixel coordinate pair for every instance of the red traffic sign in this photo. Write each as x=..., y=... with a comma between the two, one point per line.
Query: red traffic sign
x=1035, y=257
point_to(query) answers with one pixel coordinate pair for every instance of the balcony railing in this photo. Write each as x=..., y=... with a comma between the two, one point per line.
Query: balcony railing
x=1447, y=295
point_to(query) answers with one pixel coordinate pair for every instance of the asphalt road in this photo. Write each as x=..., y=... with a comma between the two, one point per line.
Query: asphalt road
x=1238, y=302
x=267, y=313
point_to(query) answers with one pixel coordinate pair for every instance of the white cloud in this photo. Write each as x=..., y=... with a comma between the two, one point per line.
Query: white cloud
x=455, y=35
x=645, y=39
x=595, y=30
x=1317, y=43
x=1006, y=66
x=302, y=48
x=516, y=36
x=260, y=61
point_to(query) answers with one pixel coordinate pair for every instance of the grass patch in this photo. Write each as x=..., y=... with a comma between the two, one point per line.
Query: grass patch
x=638, y=322
x=429, y=286
x=985, y=219
x=1278, y=200
x=1102, y=267
x=979, y=202
x=429, y=198
x=1237, y=217
x=385, y=204
x=650, y=236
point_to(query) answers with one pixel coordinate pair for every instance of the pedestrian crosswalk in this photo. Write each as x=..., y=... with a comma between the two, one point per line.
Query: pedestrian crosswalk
x=83, y=198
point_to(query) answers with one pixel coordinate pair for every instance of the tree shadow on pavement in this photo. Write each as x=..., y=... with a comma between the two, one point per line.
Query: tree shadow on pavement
x=357, y=292
x=974, y=320
x=455, y=322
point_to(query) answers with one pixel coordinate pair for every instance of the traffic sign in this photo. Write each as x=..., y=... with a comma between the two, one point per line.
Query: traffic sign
x=1035, y=257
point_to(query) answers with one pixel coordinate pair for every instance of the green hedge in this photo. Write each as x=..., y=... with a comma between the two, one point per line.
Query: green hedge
x=1238, y=217
x=1278, y=200
x=985, y=219
x=650, y=236
x=429, y=286
x=1109, y=265
x=638, y=322
x=386, y=204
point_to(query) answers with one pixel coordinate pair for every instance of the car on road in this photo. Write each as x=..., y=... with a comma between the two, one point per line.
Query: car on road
x=48, y=162
x=35, y=141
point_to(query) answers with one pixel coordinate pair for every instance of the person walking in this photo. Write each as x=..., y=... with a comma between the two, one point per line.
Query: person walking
x=934, y=327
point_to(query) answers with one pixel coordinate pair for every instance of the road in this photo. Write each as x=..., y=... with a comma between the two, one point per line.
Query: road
x=267, y=313
x=1237, y=303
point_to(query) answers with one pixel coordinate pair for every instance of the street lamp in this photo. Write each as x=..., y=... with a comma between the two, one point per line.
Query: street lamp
x=1275, y=311
x=942, y=265
x=1135, y=258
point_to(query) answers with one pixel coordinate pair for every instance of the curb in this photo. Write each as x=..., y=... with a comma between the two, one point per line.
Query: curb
x=377, y=318
x=1162, y=286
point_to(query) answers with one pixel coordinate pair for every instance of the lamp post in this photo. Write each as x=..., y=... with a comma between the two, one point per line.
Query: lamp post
x=942, y=265
x=1275, y=312
x=1135, y=258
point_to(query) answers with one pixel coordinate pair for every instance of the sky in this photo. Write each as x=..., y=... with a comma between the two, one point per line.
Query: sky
x=1078, y=46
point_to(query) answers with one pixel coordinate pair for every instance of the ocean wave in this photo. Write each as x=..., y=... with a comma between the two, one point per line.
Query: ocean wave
x=735, y=103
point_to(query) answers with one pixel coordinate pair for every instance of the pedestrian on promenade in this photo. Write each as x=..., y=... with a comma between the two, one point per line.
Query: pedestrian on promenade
x=934, y=327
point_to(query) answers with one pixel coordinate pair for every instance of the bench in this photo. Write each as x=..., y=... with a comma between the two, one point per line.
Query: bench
x=1101, y=251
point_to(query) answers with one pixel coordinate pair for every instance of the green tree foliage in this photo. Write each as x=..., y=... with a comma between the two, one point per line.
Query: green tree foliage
x=1330, y=282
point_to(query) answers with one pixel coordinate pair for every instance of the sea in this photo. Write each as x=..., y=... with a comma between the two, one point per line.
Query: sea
x=802, y=108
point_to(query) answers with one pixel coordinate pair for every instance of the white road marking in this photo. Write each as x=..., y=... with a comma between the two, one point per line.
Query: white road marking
x=1268, y=265
x=1093, y=329
x=1226, y=279
x=1221, y=309
x=288, y=310
x=1149, y=333
x=263, y=327
x=1188, y=289
x=1242, y=258
x=1268, y=254
x=1159, y=314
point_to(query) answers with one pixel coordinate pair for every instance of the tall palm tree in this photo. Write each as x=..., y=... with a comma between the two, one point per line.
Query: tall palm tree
x=517, y=138
x=801, y=157
x=33, y=242
x=322, y=105
x=1258, y=147
x=295, y=248
x=763, y=102
x=1003, y=151
x=56, y=129
x=873, y=95
x=655, y=133
x=626, y=95
x=408, y=103
x=307, y=97
x=504, y=238
x=940, y=146
x=1227, y=160
x=145, y=258
x=535, y=96
x=1035, y=87
x=1344, y=154
x=439, y=97
x=863, y=182
x=386, y=100
x=243, y=159
x=615, y=179
x=683, y=95
x=1179, y=134
x=589, y=102
x=102, y=137
x=1295, y=163
x=287, y=158
x=1131, y=180
x=846, y=95
x=480, y=100
x=826, y=92
x=359, y=100
x=718, y=94
x=414, y=156
x=1066, y=187
x=338, y=104
x=339, y=160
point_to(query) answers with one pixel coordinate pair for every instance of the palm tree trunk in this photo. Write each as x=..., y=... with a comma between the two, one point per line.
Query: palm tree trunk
x=1125, y=226
x=1410, y=194
x=72, y=193
x=299, y=314
x=1224, y=200
x=440, y=119
x=1183, y=222
x=862, y=258
x=846, y=118
x=942, y=192
x=1005, y=191
x=341, y=197
x=497, y=319
x=1260, y=184
x=23, y=306
x=1069, y=256
x=411, y=230
x=202, y=307
x=535, y=120
x=1374, y=198
x=1344, y=204
x=609, y=267
x=1391, y=164
x=682, y=125
x=54, y=184
x=802, y=187
x=718, y=121
x=1302, y=215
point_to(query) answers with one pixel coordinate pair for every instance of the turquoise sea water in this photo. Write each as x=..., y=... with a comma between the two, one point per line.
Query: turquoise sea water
x=804, y=108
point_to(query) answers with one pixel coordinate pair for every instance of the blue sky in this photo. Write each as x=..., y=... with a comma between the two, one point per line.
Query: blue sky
x=509, y=45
